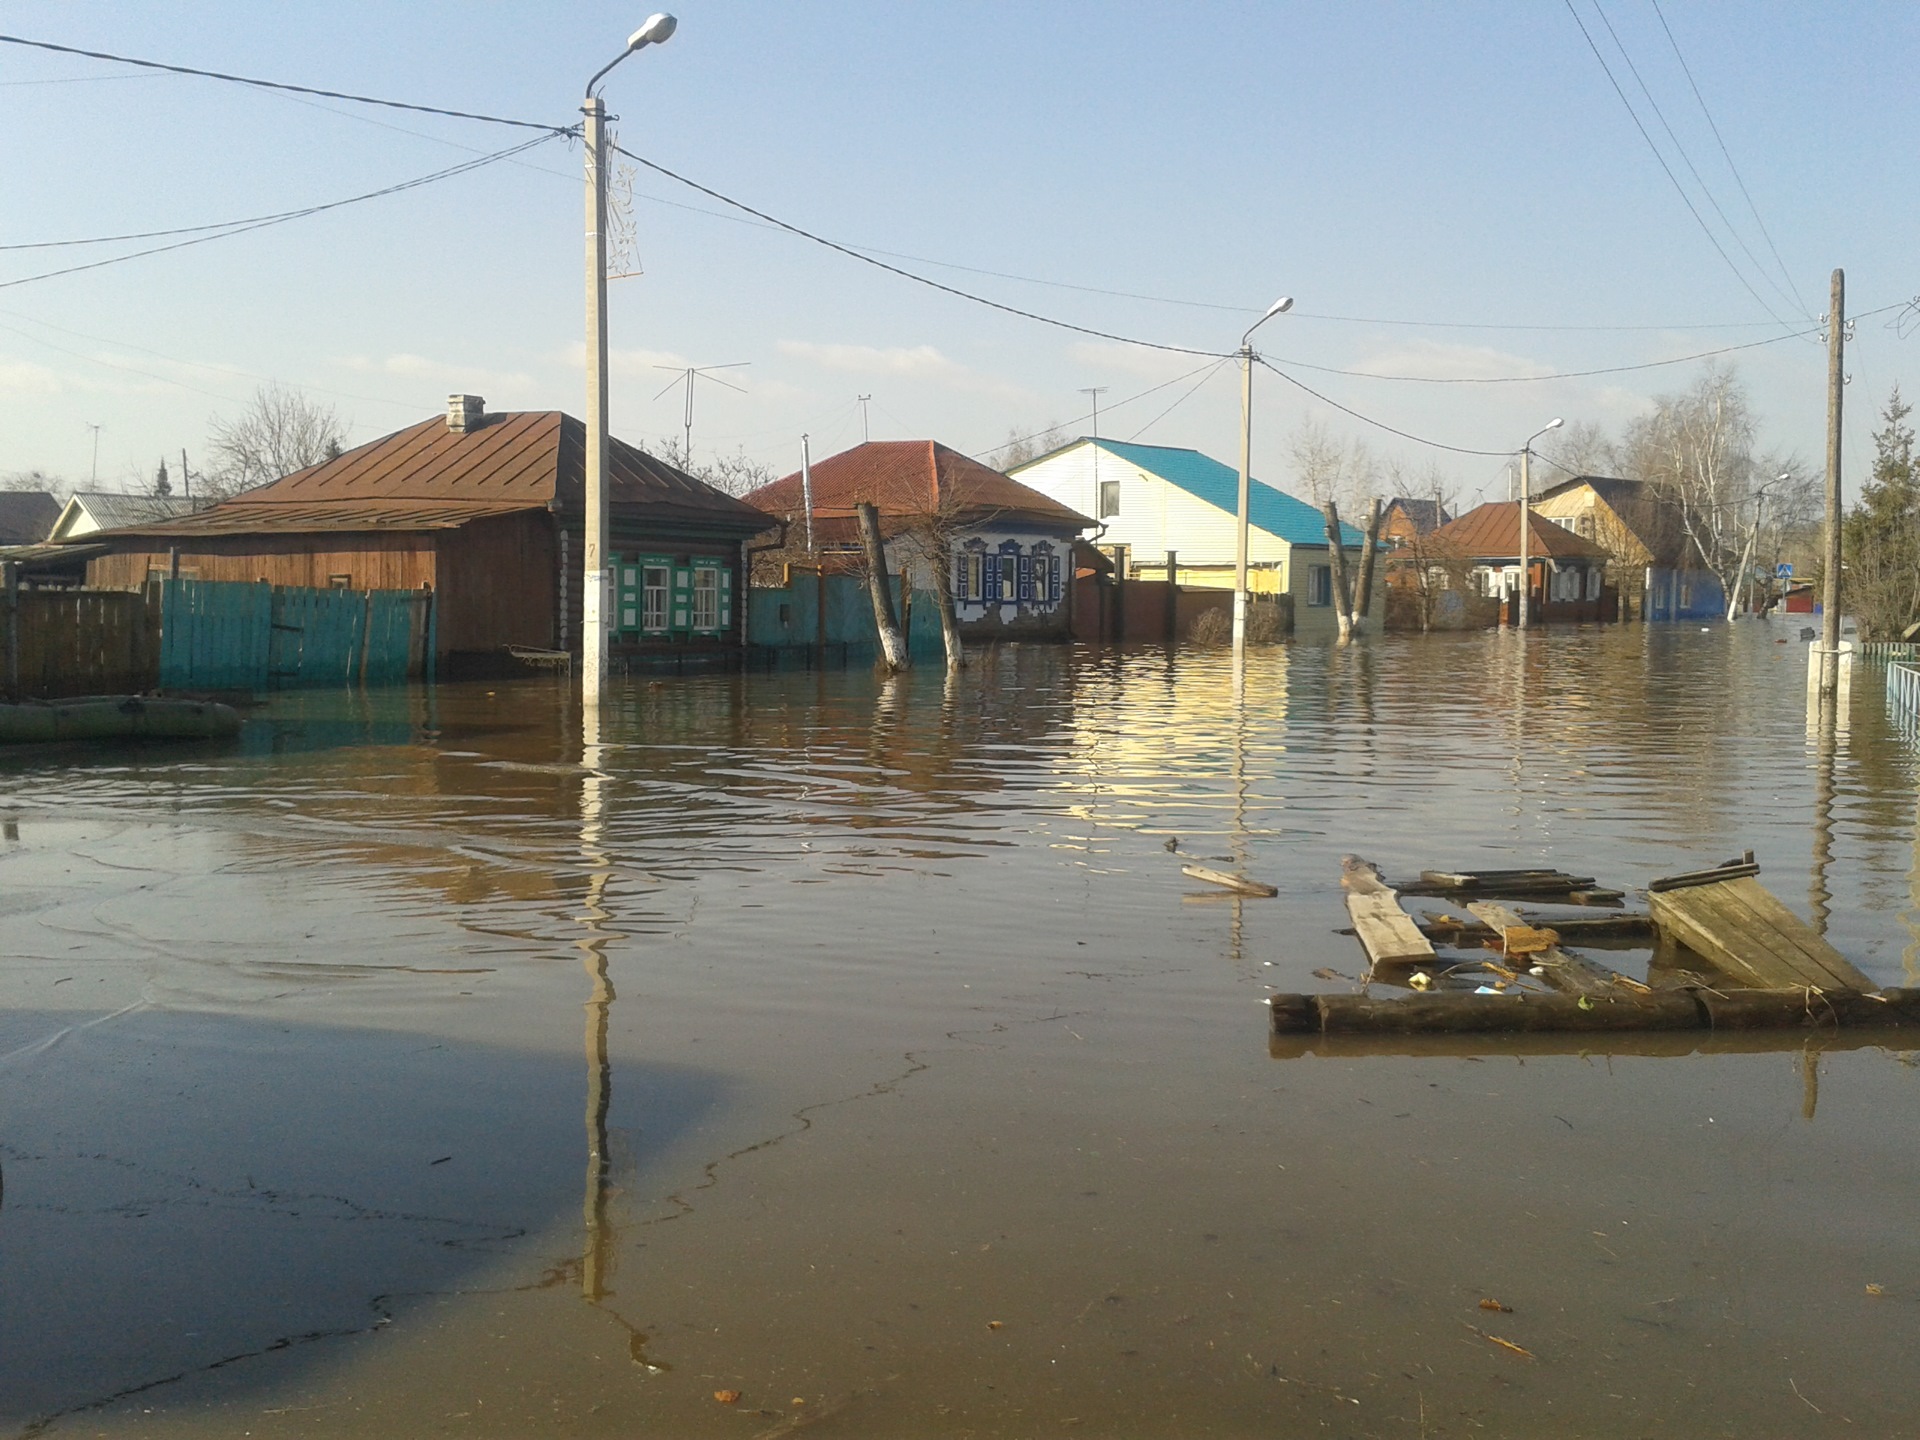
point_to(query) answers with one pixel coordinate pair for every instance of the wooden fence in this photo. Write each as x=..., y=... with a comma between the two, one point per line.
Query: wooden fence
x=61, y=643
x=199, y=636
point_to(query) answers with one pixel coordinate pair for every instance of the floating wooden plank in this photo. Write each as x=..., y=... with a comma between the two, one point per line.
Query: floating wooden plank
x=1747, y=934
x=1572, y=974
x=1732, y=870
x=1231, y=882
x=1663, y=1010
x=1387, y=932
x=1513, y=884
x=1622, y=930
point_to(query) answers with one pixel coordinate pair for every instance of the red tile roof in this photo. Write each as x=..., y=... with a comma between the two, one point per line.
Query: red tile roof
x=906, y=478
x=1492, y=532
x=430, y=477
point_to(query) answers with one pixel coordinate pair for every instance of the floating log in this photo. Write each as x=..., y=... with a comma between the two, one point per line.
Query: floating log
x=1623, y=1043
x=1660, y=1010
x=1231, y=882
x=1740, y=928
x=1625, y=930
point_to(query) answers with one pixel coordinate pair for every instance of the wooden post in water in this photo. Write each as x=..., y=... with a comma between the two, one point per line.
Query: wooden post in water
x=1173, y=597
x=10, y=622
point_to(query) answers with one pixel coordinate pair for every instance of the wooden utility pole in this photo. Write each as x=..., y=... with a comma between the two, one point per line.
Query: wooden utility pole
x=1830, y=587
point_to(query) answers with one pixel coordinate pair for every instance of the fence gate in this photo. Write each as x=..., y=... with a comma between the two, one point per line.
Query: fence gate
x=229, y=635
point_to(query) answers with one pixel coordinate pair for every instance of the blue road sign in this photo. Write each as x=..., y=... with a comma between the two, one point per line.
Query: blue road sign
x=1783, y=571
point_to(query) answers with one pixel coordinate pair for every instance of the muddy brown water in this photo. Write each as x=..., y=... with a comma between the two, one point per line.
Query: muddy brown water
x=427, y=1065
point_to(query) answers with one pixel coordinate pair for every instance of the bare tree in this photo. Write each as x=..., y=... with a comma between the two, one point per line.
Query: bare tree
x=1696, y=449
x=279, y=432
x=735, y=474
x=1329, y=468
x=1018, y=449
x=35, y=480
x=1583, y=448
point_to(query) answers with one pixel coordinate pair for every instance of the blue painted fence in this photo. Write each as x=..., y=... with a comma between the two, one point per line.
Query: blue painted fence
x=229, y=635
x=789, y=620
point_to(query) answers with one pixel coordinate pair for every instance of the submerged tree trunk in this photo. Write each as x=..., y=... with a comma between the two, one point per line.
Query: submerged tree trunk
x=1342, y=592
x=949, y=621
x=1363, y=588
x=893, y=648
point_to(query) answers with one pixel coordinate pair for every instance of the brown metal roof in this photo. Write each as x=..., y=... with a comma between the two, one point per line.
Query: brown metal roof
x=428, y=476
x=904, y=478
x=1492, y=532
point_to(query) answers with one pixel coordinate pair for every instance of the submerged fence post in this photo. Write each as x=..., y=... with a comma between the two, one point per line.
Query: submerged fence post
x=10, y=603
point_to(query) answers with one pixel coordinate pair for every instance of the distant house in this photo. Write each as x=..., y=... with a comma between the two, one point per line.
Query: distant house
x=26, y=516
x=1406, y=519
x=1655, y=565
x=90, y=511
x=1007, y=547
x=488, y=513
x=1151, y=499
x=1566, y=573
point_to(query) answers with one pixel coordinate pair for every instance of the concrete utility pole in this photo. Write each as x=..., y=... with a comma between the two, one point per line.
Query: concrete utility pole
x=1526, y=499
x=594, y=599
x=1279, y=307
x=1830, y=586
x=806, y=487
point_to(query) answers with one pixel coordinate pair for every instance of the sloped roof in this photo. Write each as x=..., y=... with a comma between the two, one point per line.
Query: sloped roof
x=1492, y=532
x=1653, y=519
x=26, y=516
x=1425, y=515
x=1204, y=478
x=429, y=477
x=904, y=478
x=88, y=511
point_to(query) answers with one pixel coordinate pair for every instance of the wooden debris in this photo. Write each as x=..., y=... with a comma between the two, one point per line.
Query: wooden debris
x=1630, y=930
x=1387, y=932
x=1574, y=974
x=1516, y=1013
x=1747, y=934
x=1232, y=882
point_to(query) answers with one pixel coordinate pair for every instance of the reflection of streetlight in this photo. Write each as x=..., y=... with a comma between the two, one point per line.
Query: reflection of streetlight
x=1280, y=306
x=594, y=583
x=1526, y=495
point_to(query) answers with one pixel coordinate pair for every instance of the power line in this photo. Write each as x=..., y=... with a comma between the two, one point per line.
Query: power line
x=1377, y=424
x=1727, y=155
x=242, y=227
x=1679, y=189
x=1212, y=370
x=1555, y=375
x=1686, y=159
x=1117, y=405
x=908, y=274
x=282, y=85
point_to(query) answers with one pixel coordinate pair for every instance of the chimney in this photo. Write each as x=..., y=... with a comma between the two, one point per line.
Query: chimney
x=465, y=412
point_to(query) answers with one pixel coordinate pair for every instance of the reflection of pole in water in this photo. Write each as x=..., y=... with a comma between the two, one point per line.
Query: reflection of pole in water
x=596, y=1262
x=1809, y=1082
x=1826, y=742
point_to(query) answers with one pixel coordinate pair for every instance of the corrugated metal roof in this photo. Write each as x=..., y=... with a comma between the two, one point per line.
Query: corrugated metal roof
x=422, y=477
x=1492, y=532
x=1204, y=478
x=904, y=478
x=26, y=516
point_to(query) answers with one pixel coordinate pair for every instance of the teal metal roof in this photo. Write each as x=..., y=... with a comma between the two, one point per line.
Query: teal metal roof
x=1205, y=478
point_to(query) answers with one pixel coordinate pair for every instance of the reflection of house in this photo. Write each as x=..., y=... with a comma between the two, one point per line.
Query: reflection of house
x=89, y=511
x=1152, y=499
x=1655, y=565
x=1566, y=572
x=26, y=516
x=1008, y=548
x=486, y=511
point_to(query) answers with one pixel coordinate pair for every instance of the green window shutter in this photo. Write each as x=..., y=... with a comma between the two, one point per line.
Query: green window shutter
x=682, y=618
x=627, y=617
x=726, y=598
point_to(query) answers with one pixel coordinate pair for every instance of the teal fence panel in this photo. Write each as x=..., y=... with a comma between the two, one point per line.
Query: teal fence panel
x=229, y=635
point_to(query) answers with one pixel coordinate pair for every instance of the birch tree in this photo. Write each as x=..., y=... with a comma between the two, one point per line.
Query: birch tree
x=279, y=432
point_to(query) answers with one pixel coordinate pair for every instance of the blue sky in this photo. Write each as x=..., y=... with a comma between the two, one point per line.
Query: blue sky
x=1419, y=170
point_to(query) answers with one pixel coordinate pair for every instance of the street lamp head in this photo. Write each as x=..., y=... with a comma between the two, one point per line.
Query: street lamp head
x=1279, y=307
x=1555, y=423
x=655, y=32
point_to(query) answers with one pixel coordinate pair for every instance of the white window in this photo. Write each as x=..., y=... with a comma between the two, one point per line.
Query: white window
x=706, y=598
x=653, y=611
x=1109, y=501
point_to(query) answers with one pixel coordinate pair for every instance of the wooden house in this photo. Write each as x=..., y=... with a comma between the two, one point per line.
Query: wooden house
x=487, y=512
x=87, y=512
x=1153, y=500
x=1007, y=547
x=1566, y=573
x=1654, y=564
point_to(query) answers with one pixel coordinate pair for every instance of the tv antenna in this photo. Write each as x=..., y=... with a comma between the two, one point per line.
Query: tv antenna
x=687, y=375
x=865, y=436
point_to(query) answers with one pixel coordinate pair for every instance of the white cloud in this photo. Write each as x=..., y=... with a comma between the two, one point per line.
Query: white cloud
x=1141, y=360
x=23, y=377
x=464, y=378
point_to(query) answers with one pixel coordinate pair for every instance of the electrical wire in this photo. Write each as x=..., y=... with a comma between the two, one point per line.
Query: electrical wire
x=908, y=274
x=1116, y=405
x=243, y=227
x=1378, y=424
x=1555, y=375
x=1692, y=169
x=1727, y=155
x=1679, y=189
x=280, y=85
x=1212, y=370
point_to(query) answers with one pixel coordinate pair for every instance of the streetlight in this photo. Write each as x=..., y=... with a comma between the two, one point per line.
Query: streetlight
x=1280, y=306
x=594, y=585
x=1526, y=496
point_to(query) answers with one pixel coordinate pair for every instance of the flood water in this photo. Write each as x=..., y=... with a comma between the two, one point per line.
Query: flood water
x=856, y=1046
